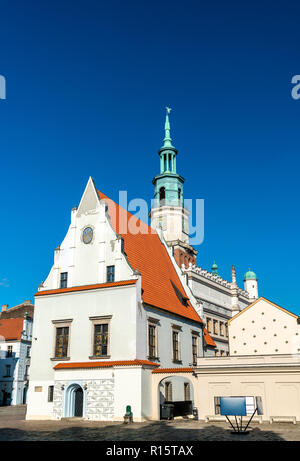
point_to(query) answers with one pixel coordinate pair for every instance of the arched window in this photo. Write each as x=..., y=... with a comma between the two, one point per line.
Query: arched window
x=162, y=194
x=179, y=195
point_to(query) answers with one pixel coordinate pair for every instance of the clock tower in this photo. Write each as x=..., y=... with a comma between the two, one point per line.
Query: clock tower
x=168, y=212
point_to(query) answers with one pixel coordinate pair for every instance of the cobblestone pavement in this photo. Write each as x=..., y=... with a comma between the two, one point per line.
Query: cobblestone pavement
x=14, y=427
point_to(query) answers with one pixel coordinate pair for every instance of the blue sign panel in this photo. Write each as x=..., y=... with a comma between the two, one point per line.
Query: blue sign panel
x=235, y=406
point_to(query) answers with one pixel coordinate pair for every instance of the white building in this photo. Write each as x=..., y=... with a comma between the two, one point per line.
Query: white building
x=264, y=328
x=15, y=344
x=114, y=306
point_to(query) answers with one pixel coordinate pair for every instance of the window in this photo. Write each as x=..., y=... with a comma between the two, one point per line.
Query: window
x=175, y=341
x=28, y=352
x=226, y=330
x=162, y=194
x=222, y=353
x=216, y=329
x=187, y=391
x=152, y=341
x=110, y=273
x=217, y=405
x=221, y=328
x=7, y=371
x=168, y=391
x=194, y=349
x=100, y=340
x=26, y=374
x=50, y=393
x=62, y=342
x=64, y=280
x=208, y=321
x=9, y=351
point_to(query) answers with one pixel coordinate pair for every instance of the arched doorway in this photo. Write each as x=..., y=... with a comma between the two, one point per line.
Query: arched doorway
x=74, y=401
x=178, y=392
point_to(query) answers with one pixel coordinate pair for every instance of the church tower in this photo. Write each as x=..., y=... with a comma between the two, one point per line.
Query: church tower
x=168, y=212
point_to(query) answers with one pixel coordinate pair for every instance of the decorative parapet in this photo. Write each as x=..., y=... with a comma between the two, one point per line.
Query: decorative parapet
x=214, y=277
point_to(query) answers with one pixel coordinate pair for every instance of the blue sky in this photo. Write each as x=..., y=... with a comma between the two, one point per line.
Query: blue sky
x=87, y=83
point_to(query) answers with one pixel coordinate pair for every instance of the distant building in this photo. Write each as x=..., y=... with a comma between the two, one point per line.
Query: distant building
x=18, y=311
x=15, y=344
x=264, y=328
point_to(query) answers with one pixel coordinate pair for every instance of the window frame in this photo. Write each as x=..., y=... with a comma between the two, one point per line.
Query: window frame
x=61, y=324
x=63, y=281
x=176, y=331
x=168, y=391
x=195, y=336
x=100, y=320
x=50, y=393
x=187, y=391
x=113, y=273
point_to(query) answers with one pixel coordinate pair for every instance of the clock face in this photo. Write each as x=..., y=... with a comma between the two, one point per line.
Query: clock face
x=87, y=235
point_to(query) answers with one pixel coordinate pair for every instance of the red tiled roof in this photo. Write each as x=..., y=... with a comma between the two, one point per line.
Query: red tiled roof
x=86, y=287
x=11, y=328
x=145, y=252
x=208, y=339
x=174, y=370
x=106, y=364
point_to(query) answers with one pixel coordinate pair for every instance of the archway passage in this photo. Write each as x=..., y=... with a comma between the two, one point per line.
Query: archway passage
x=176, y=397
x=78, y=407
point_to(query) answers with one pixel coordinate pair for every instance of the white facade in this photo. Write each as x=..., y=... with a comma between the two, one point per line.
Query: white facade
x=85, y=300
x=218, y=298
x=264, y=328
x=14, y=367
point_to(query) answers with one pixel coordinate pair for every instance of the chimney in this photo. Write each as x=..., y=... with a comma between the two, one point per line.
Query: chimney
x=4, y=307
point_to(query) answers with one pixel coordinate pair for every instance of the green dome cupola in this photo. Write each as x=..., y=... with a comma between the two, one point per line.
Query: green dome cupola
x=214, y=268
x=250, y=275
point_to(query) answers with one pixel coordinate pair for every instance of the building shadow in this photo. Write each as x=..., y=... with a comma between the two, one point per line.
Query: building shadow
x=152, y=432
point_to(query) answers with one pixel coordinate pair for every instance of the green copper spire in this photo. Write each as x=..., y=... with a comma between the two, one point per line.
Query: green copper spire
x=168, y=184
x=167, y=139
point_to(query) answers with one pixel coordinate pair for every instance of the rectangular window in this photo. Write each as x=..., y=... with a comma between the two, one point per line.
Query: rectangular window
x=208, y=322
x=62, y=342
x=226, y=330
x=175, y=340
x=194, y=349
x=100, y=340
x=216, y=330
x=9, y=351
x=152, y=341
x=7, y=371
x=64, y=280
x=110, y=273
x=217, y=406
x=168, y=391
x=26, y=374
x=50, y=393
x=187, y=391
x=28, y=352
x=221, y=328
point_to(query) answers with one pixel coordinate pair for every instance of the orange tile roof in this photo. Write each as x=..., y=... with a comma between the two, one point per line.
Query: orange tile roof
x=104, y=364
x=174, y=370
x=11, y=329
x=208, y=339
x=145, y=252
x=86, y=287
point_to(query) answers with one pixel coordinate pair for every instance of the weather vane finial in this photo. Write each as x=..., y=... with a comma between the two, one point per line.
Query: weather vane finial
x=168, y=109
